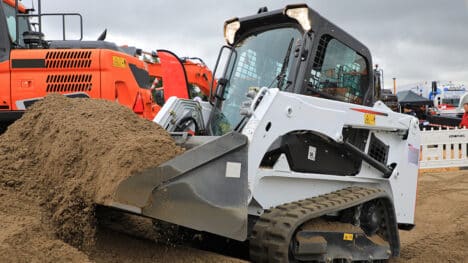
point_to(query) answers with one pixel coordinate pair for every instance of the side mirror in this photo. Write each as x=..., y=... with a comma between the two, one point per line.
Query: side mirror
x=223, y=61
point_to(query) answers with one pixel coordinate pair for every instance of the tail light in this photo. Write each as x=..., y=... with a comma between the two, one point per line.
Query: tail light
x=138, y=107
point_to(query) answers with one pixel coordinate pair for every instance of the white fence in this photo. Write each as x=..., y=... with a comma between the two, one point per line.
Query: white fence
x=444, y=148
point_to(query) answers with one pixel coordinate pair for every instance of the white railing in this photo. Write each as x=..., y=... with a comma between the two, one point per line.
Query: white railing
x=444, y=148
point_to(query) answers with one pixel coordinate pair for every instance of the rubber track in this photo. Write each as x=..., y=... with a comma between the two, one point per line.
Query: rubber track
x=271, y=235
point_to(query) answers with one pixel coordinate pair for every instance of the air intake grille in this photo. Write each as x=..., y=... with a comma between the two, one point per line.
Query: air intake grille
x=378, y=150
x=68, y=59
x=69, y=83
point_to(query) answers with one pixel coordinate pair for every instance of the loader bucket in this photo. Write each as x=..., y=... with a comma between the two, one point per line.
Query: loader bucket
x=205, y=188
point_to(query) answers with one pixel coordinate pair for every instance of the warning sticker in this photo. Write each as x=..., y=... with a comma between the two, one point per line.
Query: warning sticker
x=348, y=237
x=312, y=153
x=118, y=62
x=369, y=119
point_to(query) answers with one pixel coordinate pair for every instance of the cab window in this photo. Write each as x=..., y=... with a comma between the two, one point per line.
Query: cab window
x=23, y=22
x=338, y=72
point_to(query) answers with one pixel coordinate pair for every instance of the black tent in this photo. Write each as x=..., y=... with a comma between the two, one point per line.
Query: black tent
x=410, y=98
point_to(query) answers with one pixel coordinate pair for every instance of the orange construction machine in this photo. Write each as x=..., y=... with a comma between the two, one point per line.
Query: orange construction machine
x=31, y=67
x=180, y=77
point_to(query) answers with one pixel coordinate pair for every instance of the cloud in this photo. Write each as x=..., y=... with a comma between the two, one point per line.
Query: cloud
x=413, y=40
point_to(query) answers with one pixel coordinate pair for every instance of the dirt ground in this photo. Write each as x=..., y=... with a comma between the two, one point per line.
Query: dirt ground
x=25, y=238
x=441, y=232
x=440, y=235
x=64, y=155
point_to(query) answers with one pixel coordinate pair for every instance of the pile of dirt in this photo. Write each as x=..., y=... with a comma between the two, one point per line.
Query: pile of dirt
x=59, y=159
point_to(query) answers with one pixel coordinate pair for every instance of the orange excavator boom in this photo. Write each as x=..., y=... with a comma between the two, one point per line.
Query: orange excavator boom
x=198, y=74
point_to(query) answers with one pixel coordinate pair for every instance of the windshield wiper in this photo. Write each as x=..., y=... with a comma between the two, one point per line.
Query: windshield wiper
x=282, y=75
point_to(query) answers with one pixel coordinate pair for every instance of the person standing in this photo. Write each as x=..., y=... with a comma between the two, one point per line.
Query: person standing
x=464, y=120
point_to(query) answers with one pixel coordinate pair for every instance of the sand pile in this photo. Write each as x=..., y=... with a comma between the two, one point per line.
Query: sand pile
x=61, y=157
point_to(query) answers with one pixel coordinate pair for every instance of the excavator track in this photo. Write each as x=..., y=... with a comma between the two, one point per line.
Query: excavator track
x=271, y=236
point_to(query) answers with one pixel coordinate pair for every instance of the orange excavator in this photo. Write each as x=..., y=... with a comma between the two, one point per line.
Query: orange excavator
x=31, y=67
x=180, y=77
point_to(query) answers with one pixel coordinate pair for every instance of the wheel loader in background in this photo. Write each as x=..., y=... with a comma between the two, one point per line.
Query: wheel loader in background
x=31, y=68
x=294, y=155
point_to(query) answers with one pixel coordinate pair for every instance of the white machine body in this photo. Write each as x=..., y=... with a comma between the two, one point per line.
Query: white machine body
x=285, y=112
x=279, y=113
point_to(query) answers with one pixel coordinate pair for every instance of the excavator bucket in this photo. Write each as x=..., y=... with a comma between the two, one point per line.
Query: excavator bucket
x=205, y=188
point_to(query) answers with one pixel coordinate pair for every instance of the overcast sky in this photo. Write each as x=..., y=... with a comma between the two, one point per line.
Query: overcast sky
x=412, y=40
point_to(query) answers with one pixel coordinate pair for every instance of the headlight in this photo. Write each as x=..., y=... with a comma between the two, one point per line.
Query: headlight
x=300, y=13
x=230, y=29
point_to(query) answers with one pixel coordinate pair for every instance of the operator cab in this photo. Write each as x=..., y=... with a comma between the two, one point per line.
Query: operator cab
x=295, y=50
x=29, y=35
x=10, y=18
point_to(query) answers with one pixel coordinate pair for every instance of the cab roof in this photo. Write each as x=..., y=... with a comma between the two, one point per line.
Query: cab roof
x=277, y=18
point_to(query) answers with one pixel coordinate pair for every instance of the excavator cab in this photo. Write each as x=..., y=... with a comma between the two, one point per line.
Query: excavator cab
x=23, y=33
x=11, y=19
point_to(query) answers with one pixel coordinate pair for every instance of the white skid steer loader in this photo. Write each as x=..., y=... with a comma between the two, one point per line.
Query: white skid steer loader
x=293, y=155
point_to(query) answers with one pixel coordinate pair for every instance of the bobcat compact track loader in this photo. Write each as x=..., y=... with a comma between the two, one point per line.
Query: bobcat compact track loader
x=294, y=155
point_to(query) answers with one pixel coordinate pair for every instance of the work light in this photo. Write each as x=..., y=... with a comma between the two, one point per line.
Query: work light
x=300, y=13
x=230, y=28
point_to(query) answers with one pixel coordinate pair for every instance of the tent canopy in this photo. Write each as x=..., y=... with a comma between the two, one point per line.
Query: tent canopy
x=408, y=97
